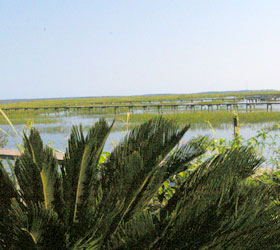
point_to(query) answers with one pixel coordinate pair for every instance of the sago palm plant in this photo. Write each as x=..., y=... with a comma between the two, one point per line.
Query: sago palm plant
x=82, y=204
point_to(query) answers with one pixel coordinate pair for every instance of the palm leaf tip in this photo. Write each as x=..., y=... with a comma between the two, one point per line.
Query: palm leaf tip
x=88, y=168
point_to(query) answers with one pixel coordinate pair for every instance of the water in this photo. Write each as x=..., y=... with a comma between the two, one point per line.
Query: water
x=57, y=134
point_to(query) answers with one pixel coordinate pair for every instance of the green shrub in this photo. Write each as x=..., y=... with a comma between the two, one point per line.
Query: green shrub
x=120, y=202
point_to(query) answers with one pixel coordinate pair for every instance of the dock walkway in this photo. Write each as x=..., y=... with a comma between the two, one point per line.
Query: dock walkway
x=11, y=154
x=159, y=107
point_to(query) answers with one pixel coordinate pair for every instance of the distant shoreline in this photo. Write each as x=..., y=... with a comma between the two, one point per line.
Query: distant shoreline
x=7, y=101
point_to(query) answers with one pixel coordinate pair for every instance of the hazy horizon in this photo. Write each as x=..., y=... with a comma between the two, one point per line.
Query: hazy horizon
x=153, y=94
x=60, y=49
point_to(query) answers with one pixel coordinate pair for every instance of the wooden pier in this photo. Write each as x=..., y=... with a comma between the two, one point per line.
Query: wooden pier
x=249, y=98
x=268, y=106
x=11, y=154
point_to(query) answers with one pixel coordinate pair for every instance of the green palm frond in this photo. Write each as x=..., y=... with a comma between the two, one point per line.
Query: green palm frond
x=37, y=171
x=70, y=170
x=96, y=138
x=129, y=235
x=204, y=201
x=27, y=169
x=49, y=177
x=38, y=226
x=180, y=160
x=7, y=194
x=131, y=166
x=79, y=175
x=152, y=140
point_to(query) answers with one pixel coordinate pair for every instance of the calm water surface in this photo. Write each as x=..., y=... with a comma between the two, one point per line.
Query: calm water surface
x=57, y=134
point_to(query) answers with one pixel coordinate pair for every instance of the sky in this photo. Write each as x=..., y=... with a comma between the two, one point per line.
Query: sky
x=70, y=48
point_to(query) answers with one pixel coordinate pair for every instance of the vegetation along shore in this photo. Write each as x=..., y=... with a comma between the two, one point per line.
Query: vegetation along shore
x=146, y=194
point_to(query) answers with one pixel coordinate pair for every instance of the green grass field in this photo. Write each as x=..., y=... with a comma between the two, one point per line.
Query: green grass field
x=202, y=119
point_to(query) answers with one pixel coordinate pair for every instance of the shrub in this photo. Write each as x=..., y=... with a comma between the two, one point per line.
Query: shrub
x=86, y=203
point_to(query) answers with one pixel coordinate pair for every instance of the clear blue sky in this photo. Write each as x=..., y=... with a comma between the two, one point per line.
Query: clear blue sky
x=62, y=48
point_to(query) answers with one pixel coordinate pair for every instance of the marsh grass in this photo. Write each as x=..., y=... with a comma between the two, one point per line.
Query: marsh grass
x=201, y=119
x=24, y=117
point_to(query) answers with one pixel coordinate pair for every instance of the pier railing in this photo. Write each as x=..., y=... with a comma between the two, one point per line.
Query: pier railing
x=159, y=107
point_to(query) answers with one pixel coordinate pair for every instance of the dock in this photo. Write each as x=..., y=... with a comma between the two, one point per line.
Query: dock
x=159, y=107
x=12, y=154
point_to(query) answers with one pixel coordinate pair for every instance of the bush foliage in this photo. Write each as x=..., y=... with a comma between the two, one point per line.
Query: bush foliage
x=149, y=193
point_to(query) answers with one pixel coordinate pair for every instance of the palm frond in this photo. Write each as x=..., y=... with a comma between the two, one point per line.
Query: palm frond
x=49, y=177
x=96, y=139
x=7, y=193
x=28, y=167
x=80, y=176
x=37, y=171
x=38, y=226
x=204, y=201
x=130, y=168
x=141, y=228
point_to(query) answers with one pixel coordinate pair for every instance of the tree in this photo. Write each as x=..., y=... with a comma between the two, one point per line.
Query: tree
x=83, y=204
